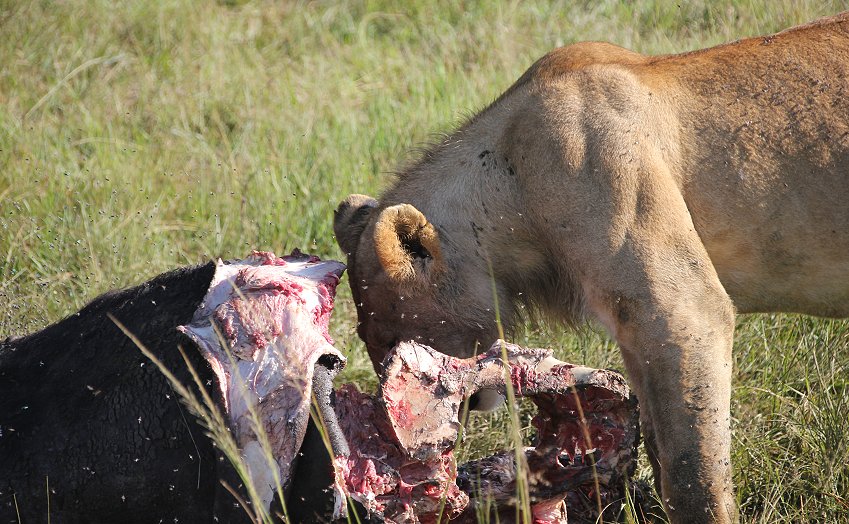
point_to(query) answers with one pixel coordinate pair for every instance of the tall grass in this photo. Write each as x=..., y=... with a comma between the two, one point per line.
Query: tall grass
x=139, y=136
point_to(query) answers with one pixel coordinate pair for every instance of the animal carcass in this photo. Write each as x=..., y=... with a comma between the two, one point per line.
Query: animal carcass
x=91, y=430
x=400, y=464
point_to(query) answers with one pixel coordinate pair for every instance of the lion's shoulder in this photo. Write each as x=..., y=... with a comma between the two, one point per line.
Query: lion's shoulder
x=582, y=55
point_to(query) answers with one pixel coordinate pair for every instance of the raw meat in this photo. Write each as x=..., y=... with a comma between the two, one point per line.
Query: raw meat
x=401, y=466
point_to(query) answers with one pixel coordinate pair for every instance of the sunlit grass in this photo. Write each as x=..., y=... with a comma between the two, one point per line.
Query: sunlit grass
x=137, y=137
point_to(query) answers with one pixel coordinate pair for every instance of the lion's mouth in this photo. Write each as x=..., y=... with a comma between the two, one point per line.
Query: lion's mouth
x=401, y=465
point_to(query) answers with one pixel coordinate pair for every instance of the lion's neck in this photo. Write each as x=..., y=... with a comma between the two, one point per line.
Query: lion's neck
x=467, y=187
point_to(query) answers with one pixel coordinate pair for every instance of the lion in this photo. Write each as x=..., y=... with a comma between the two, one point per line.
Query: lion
x=657, y=195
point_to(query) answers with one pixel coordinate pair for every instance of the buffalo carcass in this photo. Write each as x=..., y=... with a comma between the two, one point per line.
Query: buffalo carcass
x=91, y=430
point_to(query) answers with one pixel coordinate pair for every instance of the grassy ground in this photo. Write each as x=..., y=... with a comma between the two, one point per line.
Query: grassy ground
x=146, y=135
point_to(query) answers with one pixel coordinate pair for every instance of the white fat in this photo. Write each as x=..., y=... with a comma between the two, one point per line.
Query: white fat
x=546, y=364
x=415, y=356
x=273, y=380
x=205, y=338
x=340, y=490
x=582, y=374
x=314, y=271
x=221, y=287
x=260, y=469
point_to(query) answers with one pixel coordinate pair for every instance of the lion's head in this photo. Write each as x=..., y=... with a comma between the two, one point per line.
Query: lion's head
x=410, y=282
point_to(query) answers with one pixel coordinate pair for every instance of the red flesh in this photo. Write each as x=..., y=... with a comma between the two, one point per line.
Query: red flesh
x=401, y=464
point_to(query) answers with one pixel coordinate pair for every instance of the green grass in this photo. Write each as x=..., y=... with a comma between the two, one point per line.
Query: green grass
x=139, y=136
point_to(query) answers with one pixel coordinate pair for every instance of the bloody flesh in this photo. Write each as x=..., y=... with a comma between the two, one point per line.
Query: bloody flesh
x=401, y=464
x=379, y=472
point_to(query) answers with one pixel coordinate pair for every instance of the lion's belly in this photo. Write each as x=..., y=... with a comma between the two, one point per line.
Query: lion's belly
x=771, y=258
x=776, y=226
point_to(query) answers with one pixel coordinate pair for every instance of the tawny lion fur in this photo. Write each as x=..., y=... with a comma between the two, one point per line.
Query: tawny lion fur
x=653, y=194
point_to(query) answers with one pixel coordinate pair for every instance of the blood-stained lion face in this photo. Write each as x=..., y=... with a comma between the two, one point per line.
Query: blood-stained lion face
x=408, y=284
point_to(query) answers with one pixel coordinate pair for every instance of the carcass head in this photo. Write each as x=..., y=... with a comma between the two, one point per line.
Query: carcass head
x=262, y=327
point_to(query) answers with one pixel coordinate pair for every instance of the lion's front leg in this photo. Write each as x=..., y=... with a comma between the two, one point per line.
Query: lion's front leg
x=675, y=326
x=646, y=276
x=604, y=176
x=661, y=299
x=684, y=389
x=657, y=292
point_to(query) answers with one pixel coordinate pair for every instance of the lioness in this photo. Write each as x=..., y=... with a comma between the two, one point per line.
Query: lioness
x=654, y=194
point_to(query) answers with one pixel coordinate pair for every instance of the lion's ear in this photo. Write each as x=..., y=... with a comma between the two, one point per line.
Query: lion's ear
x=406, y=244
x=350, y=219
